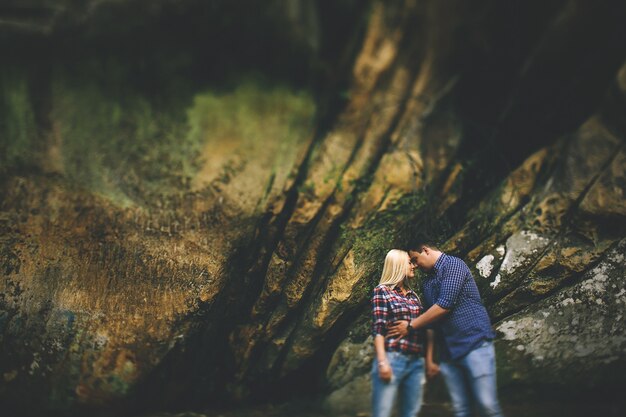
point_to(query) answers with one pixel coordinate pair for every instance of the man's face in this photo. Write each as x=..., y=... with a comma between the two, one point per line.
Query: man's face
x=414, y=257
x=421, y=259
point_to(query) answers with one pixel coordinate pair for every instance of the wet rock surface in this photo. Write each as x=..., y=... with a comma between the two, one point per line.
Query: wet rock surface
x=200, y=222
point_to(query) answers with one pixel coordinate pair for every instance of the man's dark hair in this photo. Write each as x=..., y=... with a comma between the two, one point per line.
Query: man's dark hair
x=418, y=244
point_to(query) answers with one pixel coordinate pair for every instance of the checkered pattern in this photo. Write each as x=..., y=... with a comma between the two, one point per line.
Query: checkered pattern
x=390, y=305
x=452, y=287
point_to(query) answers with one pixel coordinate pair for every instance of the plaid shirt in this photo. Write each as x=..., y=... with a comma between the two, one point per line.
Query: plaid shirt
x=390, y=305
x=450, y=285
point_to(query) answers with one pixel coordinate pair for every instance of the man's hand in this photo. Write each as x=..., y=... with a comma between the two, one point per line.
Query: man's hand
x=432, y=370
x=398, y=329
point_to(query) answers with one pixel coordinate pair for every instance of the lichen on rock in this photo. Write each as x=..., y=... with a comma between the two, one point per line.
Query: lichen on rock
x=574, y=334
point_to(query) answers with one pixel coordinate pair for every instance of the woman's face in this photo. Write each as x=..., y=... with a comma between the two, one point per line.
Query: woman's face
x=410, y=271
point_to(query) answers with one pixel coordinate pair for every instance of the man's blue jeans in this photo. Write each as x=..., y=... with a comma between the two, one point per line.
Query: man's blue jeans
x=472, y=380
x=406, y=383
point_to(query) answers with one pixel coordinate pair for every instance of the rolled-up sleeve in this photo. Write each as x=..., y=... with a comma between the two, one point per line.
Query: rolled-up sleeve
x=452, y=282
x=380, y=312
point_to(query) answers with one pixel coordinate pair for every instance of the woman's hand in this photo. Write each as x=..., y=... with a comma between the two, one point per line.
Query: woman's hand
x=398, y=329
x=384, y=371
x=432, y=370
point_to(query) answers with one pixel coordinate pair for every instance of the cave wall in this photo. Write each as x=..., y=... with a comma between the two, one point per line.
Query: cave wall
x=198, y=216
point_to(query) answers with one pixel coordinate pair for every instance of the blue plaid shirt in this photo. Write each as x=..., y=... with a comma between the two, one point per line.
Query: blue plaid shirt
x=450, y=285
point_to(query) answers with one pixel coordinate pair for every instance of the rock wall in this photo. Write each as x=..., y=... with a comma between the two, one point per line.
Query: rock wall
x=203, y=219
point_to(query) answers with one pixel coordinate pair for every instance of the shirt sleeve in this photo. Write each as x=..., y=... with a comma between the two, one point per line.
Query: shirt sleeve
x=452, y=280
x=380, y=312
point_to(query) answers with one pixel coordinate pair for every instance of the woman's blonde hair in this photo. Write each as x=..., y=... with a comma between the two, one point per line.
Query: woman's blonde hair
x=394, y=270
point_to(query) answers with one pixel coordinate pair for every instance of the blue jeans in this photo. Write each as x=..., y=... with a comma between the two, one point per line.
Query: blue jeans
x=406, y=383
x=471, y=380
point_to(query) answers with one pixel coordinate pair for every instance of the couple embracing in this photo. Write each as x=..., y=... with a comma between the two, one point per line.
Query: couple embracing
x=404, y=335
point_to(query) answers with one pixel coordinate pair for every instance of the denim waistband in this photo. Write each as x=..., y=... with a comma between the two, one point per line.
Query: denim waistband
x=409, y=354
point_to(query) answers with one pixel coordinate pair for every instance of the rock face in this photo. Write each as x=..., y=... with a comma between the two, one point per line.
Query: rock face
x=584, y=321
x=203, y=219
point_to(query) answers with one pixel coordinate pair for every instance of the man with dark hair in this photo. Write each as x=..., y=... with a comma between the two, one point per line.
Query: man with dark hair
x=456, y=312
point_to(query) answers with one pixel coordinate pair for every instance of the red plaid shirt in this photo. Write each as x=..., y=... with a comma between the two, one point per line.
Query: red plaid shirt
x=390, y=305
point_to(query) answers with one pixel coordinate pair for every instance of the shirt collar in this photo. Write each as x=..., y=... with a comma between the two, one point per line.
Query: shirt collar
x=439, y=263
x=399, y=291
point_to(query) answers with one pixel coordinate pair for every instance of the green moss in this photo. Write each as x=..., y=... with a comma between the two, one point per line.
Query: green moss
x=122, y=137
x=123, y=145
x=119, y=143
x=18, y=130
x=259, y=116
x=307, y=188
x=384, y=230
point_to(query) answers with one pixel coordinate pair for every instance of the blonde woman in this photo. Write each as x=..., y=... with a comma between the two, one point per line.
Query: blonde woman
x=399, y=368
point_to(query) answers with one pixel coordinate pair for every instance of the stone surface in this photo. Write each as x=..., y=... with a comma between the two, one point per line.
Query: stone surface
x=196, y=219
x=577, y=335
x=98, y=281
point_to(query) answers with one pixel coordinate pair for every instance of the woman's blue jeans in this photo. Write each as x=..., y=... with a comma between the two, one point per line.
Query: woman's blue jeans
x=406, y=384
x=472, y=380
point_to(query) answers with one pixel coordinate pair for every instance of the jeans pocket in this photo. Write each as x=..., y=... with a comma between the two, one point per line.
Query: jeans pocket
x=398, y=362
x=481, y=361
x=395, y=358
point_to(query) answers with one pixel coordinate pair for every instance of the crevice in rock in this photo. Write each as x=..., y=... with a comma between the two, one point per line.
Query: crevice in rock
x=567, y=283
x=566, y=227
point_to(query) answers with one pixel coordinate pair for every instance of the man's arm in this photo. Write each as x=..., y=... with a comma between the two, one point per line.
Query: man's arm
x=399, y=328
x=432, y=369
x=431, y=315
x=452, y=281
